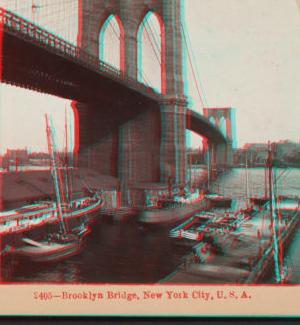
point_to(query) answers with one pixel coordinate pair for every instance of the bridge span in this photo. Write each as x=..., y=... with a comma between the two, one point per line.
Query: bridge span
x=119, y=121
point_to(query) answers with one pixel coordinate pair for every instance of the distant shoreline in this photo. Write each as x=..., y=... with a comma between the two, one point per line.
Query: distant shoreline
x=243, y=166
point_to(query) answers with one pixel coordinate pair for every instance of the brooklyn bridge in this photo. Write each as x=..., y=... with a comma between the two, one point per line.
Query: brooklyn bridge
x=128, y=129
x=130, y=159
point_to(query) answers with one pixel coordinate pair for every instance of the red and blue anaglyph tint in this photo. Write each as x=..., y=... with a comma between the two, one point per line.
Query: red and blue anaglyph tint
x=108, y=186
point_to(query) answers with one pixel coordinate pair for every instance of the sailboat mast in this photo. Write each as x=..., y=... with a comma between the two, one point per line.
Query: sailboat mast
x=66, y=158
x=212, y=164
x=251, y=173
x=246, y=171
x=190, y=163
x=278, y=252
x=194, y=171
x=266, y=182
x=70, y=162
x=277, y=228
x=208, y=165
x=54, y=172
x=277, y=218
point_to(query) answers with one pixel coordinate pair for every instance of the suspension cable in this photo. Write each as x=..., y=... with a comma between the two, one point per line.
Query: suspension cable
x=159, y=61
x=193, y=72
x=156, y=39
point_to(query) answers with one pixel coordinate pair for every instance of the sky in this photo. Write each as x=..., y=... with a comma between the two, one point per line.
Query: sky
x=246, y=54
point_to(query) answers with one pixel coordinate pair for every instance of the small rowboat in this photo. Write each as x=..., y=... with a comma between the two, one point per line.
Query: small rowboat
x=55, y=248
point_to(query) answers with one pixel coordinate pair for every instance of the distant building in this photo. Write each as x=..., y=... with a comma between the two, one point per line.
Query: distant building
x=16, y=157
x=39, y=155
x=19, y=154
x=286, y=152
x=256, y=146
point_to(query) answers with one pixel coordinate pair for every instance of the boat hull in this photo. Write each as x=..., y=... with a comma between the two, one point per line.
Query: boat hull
x=221, y=203
x=50, y=252
x=259, y=201
x=172, y=215
x=36, y=220
x=186, y=242
x=219, y=200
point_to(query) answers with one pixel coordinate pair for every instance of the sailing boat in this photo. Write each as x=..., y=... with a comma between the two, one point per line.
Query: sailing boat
x=60, y=245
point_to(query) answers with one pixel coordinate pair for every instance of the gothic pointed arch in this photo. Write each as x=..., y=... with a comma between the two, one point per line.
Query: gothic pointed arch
x=228, y=128
x=152, y=31
x=212, y=120
x=223, y=125
x=111, y=42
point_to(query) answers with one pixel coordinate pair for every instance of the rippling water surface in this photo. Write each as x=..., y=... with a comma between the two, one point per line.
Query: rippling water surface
x=122, y=251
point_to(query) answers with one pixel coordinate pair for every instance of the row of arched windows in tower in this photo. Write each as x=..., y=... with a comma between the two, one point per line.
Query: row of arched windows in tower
x=223, y=123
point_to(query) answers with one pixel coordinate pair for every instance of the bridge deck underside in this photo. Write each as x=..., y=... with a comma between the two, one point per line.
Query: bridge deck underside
x=198, y=124
x=105, y=105
x=118, y=127
x=27, y=65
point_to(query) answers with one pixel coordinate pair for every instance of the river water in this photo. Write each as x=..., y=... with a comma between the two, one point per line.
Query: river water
x=122, y=251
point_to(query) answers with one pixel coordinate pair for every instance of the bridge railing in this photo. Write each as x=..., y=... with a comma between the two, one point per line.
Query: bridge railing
x=23, y=28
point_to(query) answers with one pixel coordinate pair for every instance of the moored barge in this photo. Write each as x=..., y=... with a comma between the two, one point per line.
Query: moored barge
x=204, y=226
x=170, y=211
x=245, y=256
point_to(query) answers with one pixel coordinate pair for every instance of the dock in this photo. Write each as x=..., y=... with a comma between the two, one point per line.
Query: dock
x=244, y=256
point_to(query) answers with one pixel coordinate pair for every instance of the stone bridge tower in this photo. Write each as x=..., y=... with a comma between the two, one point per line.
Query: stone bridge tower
x=224, y=118
x=164, y=131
